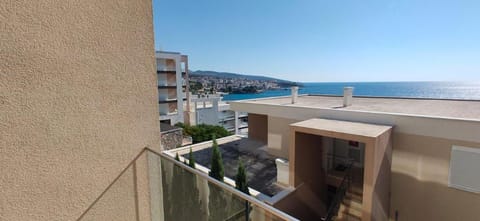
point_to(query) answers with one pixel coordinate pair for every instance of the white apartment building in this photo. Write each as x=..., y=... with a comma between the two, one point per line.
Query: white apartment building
x=210, y=109
x=173, y=96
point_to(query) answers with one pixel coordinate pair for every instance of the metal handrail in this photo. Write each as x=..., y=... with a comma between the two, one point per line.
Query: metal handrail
x=339, y=195
x=227, y=187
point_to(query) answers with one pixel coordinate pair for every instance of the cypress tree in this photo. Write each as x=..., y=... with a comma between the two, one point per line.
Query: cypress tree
x=177, y=158
x=241, y=184
x=191, y=159
x=216, y=170
x=241, y=179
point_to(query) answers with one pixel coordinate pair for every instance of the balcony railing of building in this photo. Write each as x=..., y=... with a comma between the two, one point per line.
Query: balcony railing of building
x=334, y=207
x=183, y=194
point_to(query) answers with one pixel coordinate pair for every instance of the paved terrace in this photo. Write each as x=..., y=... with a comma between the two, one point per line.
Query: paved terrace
x=465, y=109
x=260, y=166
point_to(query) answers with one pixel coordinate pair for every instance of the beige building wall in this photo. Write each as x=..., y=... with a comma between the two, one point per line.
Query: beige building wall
x=78, y=101
x=381, y=172
x=308, y=162
x=419, y=178
x=279, y=135
x=419, y=187
x=258, y=127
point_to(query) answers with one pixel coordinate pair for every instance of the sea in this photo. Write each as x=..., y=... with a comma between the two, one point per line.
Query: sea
x=441, y=90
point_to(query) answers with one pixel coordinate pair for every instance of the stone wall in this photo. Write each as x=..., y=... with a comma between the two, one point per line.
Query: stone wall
x=171, y=139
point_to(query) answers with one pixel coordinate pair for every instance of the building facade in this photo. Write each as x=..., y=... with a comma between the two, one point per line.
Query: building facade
x=79, y=103
x=210, y=109
x=413, y=159
x=173, y=94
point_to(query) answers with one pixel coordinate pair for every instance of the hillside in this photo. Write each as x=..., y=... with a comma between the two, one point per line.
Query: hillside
x=234, y=83
x=227, y=75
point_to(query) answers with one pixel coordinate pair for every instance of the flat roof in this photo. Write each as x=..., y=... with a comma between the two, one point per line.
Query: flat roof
x=343, y=127
x=448, y=108
x=167, y=52
x=261, y=167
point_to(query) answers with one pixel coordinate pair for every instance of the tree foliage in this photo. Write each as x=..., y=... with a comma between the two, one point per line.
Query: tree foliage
x=203, y=132
x=195, y=86
x=216, y=168
x=241, y=179
x=245, y=90
x=191, y=159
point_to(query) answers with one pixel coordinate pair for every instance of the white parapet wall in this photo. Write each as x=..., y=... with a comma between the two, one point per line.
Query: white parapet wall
x=282, y=171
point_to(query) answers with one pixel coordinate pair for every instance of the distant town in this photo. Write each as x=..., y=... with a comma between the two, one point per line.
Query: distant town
x=232, y=83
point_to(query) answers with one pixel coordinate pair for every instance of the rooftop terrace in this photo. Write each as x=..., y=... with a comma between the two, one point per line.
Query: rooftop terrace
x=465, y=109
x=260, y=166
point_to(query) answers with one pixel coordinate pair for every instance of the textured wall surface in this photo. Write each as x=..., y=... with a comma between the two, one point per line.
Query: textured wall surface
x=208, y=116
x=118, y=203
x=171, y=139
x=279, y=136
x=78, y=101
x=258, y=127
x=419, y=185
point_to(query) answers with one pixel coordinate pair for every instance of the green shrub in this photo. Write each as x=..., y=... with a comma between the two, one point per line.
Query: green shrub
x=216, y=168
x=191, y=159
x=203, y=132
x=177, y=158
x=241, y=179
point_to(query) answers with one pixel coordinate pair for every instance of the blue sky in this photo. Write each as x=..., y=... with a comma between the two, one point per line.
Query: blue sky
x=325, y=40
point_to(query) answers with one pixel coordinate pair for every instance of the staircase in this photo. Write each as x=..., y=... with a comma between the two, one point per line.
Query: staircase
x=351, y=206
x=303, y=204
x=345, y=197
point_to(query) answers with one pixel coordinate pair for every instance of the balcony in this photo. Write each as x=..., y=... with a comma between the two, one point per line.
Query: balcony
x=167, y=86
x=183, y=194
x=166, y=72
x=168, y=97
x=168, y=108
x=167, y=83
x=170, y=72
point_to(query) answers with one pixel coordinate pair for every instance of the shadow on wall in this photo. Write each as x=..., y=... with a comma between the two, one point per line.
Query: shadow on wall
x=120, y=199
x=413, y=199
x=303, y=204
x=419, y=181
x=381, y=197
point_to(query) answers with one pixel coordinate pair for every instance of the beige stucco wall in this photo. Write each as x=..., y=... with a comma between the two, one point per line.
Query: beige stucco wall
x=308, y=162
x=381, y=173
x=419, y=185
x=279, y=135
x=118, y=203
x=258, y=127
x=78, y=101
